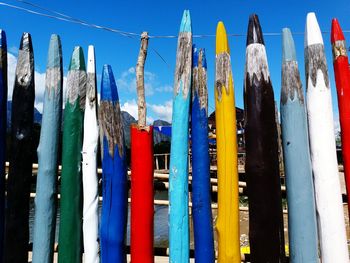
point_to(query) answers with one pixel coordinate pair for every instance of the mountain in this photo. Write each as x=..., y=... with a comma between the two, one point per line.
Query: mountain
x=157, y=136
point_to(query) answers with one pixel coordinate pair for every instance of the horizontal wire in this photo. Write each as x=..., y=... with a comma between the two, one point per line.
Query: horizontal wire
x=66, y=18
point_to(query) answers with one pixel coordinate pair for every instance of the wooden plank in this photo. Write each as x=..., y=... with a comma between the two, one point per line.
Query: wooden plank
x=322, y=145
x=227, y=225
x=90, y=179
x=266, y=235
x=201, y=190
x=20, y=173
x=70, y=235
x=114, y=177
x=3, y=130
x=142, y=192
x=342, y=81
x=178, y=175
x=46, y=185
x=303, y=241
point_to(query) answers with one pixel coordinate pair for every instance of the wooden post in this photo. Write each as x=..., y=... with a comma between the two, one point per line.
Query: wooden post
x=201, y=189
x=266, y=230
x=3, y=131
x=70, y=235
x=342, y=80
x=140, y=82
x=20, y=172
x=227, y=224
x=90, y=179
x=114, y=178
x=46, y=186
x=142, y=193
x=302, y=226
x=178, y=172
x=322, y=145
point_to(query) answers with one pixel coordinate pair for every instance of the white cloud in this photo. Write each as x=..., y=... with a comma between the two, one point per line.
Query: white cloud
x=39, y=79
x=127, y=81
x=130, y=107
x=163, y=111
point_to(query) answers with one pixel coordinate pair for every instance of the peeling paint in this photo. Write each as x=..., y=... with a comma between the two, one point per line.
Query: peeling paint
x=112, y=126
x=256, y=63
x=91, y=89
x=315, y=60
x=291, y=83
x=222, y=73
x=339, y=49
x=183, y=64
x=76, y=87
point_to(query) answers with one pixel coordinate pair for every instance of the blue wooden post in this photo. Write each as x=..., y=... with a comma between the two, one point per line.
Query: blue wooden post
x=3, y=129
x=303, y=242
x=178, y=173
x=45, y=200
x=201, y=189
x=114, y=180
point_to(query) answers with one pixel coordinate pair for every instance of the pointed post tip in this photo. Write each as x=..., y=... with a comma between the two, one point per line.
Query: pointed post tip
x=288, y=47
x=255, y=35
x=186, y=22
x=221, y=39
x=336, y=31
x=26, y=42
x=108, y=85
x=313, y=33
x=2, y=39
x=55, y=52
x=77, y=61
x=91, y=68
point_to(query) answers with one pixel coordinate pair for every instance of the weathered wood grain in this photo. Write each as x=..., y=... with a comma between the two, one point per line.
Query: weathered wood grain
x=46, y=186
x=71, y=203
x=90, y=179
x=178, y=175
x=302, y=225
x=227, y=223
x=331, y=226
x=114, y=177
x=201, y=190
x=20, y=171
x=266, y=235
x=342, y=81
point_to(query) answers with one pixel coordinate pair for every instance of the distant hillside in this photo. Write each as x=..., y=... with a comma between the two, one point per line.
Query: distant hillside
x=157, y=137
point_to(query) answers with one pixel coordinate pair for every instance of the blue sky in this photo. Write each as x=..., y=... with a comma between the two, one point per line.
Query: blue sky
x=163, y=18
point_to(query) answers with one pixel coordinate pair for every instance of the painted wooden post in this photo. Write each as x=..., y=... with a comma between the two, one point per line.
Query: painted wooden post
x=46, y=186
x=342, y=81
x=266, y=235
x=142, y=193
x=114, y=180
x=303, y=242
x=323, y=151
x=90, y=180
x=201, y=188
x=70, y=235
x=20, y=171
x=3, y=129
x=179, y=242
x=227, y=224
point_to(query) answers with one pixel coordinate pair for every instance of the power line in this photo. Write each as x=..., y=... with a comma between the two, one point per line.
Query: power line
x=63, y=17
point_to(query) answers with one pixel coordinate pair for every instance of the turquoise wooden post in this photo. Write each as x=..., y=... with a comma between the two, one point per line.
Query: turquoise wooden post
x=303, y=242
x=178, y=173
x=46, y=186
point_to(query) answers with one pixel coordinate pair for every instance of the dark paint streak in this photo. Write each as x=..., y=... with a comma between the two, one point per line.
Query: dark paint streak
x=291, y=83
x=20, y=172
x=315, y=60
